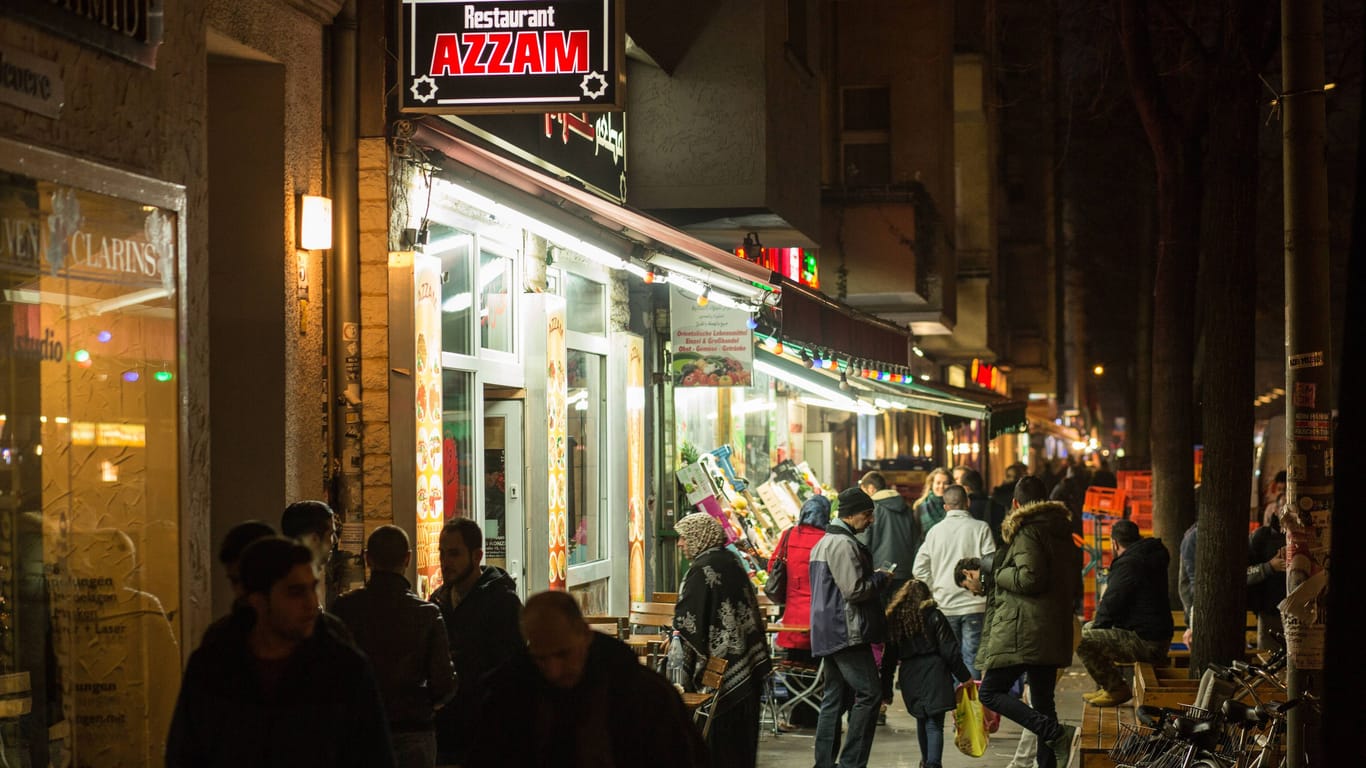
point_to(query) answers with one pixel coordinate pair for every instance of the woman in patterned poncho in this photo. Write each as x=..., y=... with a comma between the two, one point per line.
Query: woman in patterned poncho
x=718, y=615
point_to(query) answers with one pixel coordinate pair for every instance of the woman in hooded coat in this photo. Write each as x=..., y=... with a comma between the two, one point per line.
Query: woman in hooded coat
x=795, y=544
x=718, y=616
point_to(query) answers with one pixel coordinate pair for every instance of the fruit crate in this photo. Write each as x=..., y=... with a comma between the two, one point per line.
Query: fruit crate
x=1135, y=482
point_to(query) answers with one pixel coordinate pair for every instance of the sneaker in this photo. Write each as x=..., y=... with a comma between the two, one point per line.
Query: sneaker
x=1112, y=698
x=1062, y=745
x=882, y=714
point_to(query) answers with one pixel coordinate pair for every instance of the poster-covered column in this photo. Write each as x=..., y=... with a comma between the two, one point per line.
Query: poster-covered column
x=547, y=383
x=427, y=420
x=635, y=465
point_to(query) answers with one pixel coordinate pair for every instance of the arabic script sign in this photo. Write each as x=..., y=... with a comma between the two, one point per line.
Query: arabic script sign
x=589, y=149
x=470, y=56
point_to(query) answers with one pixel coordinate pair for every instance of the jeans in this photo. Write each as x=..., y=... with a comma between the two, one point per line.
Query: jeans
x=414, y=749
x=968, y=628
x=1041, y=718
x=930, y=730
x=851, y=677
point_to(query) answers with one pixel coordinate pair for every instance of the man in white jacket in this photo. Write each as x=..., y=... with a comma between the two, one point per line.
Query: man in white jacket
x=957, y=536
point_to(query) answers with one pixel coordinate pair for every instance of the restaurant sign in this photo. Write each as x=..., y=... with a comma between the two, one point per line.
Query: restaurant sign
x=492, y=56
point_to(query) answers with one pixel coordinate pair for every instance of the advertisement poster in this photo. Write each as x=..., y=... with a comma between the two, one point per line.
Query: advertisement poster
x=635, y=465
x=557, y=393
x=428, y=403
x=712, y=345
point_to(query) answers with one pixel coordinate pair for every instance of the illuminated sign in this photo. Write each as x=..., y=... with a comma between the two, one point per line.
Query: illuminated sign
x=129, y=29
x=987, y=376
x=589, y=149
x=796, y=264
x=468, y=56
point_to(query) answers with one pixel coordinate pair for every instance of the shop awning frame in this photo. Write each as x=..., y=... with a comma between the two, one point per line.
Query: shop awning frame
x=869, y=392
x=567, y=206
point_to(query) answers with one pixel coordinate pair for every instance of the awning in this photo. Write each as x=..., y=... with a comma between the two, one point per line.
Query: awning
x=811, y=318
x=566, y=206
x=1003, y=415
x=863, y=395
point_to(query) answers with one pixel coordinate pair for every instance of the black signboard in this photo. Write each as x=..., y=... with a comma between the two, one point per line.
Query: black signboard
x=585, y=149
x=129, y=29
x=490, y=56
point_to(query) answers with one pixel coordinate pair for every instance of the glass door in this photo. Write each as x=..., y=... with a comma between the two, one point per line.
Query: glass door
x=504, y=524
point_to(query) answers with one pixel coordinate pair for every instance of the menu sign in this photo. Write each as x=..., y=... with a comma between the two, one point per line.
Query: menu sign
x=469, y=56
x=712, y=345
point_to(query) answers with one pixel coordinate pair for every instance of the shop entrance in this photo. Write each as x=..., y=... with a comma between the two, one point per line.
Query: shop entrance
x=504, y=522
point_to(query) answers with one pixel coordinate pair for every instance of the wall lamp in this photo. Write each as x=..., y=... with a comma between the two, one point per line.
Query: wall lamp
x=315, y=222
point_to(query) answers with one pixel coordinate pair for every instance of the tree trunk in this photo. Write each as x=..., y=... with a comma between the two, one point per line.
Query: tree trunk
x=1226, y=293
x=1138, y=443
x=1176, y=155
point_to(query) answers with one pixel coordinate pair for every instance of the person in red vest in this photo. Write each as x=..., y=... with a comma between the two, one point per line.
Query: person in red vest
x=795, y=544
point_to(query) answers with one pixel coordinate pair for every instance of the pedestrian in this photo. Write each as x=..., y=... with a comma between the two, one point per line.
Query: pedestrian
x=1005, y=492
x=893, y=539
x=270, y=689
x=405, y=639
x=235, y=540
x=956, y=537
x=1134, y=618
x=1028, y=629
x=480, y=608
x=983, y=507
x=717, y=615
x=577, y=698
x=795, y=544
x=930, y=658
x=1266, y=582
x=929, y=508
x=313, y=523
x=846, y=619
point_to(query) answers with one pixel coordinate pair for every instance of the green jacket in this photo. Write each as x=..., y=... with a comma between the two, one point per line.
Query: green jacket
x=1029, y=606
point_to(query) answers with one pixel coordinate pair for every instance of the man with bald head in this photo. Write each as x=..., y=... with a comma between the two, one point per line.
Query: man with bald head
x=579, y=698
x=957, y=536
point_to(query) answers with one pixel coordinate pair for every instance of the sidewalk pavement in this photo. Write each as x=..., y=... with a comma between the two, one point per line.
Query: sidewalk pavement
x=896, y=745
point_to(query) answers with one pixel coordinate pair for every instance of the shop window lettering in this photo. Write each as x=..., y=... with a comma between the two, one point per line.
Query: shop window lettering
x=48, y=348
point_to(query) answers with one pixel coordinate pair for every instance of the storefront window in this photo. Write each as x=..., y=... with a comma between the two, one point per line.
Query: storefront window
x=89, y=477
x=585, y=308
x=586, y=512
x=496, y=311
x=749, y=428
x=457, y=301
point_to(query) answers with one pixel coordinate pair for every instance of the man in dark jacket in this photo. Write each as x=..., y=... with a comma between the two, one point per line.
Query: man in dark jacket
x=270, y=688
x=1134, y=619
x=578, y=698
x=1028, y=627
x=893, y=539
x=846, y=619
x=480, y=607
x=406, y=641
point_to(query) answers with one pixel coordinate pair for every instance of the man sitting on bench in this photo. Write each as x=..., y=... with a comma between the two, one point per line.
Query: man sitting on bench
x=1133, y=621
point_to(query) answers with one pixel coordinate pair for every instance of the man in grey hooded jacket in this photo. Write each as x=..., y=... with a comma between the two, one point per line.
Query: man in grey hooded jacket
x=846, y=619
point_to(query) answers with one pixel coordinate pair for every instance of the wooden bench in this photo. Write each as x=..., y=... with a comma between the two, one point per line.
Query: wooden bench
x=1179, y=655
x=1100, y=727
x=616, y=626
x=660, y=616
x=1171, y=687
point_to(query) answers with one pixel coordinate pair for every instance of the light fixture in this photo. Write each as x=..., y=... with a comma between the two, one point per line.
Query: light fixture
x=1099, y=370
x=844, y=404
x=917, y=350
x=844, y=382
x=704, y=297
x=806, y=359
x=751, y=322
x=315, y=222
x=724, y=282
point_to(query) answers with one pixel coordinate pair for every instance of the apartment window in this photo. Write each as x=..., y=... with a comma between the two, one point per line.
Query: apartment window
x=865, y=136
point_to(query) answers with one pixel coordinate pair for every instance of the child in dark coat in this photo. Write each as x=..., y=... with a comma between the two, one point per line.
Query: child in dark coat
x=928, y=650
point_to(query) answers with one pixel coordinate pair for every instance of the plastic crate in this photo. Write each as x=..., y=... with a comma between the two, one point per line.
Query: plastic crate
x=1141, y=512
x=1104, y=501
x=1134, y=481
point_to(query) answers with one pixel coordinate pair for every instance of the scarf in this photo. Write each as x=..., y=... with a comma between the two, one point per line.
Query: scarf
x=702, y=531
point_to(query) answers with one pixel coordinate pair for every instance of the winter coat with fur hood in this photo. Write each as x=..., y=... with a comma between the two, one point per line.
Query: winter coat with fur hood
x=1030, y=593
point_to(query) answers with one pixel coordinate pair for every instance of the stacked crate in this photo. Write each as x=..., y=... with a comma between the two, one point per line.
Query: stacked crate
x=1138, y=487
x=1102, y=506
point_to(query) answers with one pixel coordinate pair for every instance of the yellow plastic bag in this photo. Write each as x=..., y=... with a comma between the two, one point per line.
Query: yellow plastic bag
x=969, y=722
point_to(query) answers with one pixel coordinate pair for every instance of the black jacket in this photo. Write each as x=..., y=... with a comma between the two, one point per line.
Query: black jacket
x=930, y=662
x=1136, y=592
x=985, y=508
x=1266, y=586
x=620, y=714
x=483, y=633
x=325, y=710
x=405, y=639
